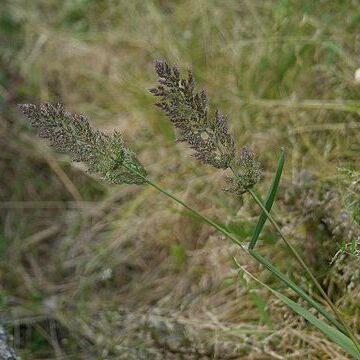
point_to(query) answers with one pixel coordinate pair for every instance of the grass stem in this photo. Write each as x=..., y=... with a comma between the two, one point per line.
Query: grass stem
x=306, y=269
x=196, y=213
x=237, y=242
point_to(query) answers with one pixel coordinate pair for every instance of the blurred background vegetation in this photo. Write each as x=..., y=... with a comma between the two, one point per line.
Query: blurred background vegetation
x=91, y=271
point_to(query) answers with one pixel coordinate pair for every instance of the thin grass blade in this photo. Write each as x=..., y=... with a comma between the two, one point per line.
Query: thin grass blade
x=334, y=334
x=269, y=201
x=268, y=265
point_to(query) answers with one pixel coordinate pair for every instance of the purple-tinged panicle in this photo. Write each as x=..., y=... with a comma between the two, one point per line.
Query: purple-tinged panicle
x=249, y=172
x=104, y=155
x=188, y=111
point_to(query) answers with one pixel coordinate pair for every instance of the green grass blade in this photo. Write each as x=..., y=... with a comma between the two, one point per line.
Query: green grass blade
x=269, y=201
x=262, y=307
x=334, y=334
x=267, y=264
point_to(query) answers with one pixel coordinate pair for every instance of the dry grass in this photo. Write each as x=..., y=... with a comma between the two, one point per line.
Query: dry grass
x=89, y=271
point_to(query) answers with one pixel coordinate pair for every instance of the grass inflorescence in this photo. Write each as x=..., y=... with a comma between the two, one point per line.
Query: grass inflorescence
x=87, y=269
x=72, y=133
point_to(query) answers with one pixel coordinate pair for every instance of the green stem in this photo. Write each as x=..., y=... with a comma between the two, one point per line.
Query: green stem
x=306, y=268
x=196, y=213
x=236, y=241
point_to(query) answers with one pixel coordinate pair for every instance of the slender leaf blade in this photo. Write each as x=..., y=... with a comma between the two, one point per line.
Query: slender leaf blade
x=269, y=200
x=334, y=334
x=267, y=264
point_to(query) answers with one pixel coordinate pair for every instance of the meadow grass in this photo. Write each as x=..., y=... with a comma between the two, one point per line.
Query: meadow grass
x=283, y=70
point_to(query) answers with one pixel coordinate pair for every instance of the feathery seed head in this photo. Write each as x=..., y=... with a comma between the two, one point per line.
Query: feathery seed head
x=71, y=133
x=188, y=111
x=249, y=172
